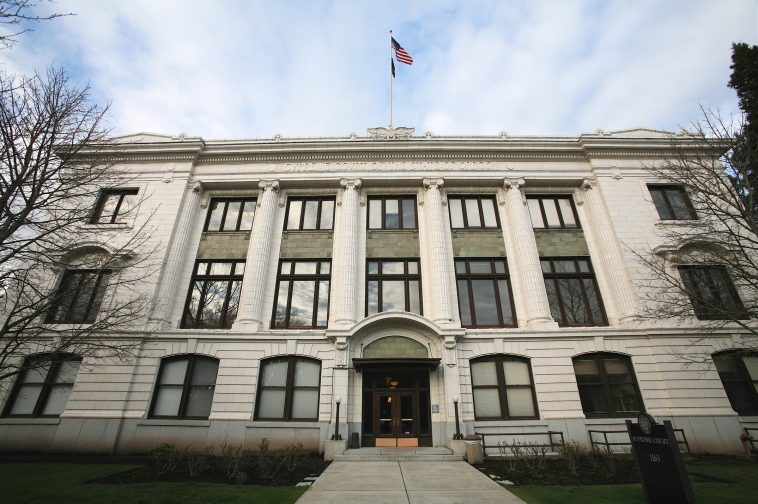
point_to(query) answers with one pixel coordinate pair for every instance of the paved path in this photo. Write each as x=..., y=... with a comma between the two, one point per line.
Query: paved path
x=405, y=483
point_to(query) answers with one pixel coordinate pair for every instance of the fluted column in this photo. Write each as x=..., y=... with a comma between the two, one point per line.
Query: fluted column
x=609, y=253
x=166, y=291
x=345, y=267
x=440, y=263
x=258, y=258
x=526, y=262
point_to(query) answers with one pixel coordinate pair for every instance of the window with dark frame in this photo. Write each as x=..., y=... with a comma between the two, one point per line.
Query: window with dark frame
x=288, y=389
x=473, y=212
x=572, y=292
x=712, y=293
x=43, y=388
x=552, y=211
x=185, y=387
x=309, y=213
x=392, y=212
x=230, y=214
x=214, y=294
x=393, y=284
x=503, y=388
x=301, y=300
x=672, y=202
x=607, y=385
x=738, y=371
x=484, y=293
x=113, y=205
x=78, y=297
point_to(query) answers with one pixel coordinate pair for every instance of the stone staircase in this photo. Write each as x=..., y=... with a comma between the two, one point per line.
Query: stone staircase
x=421, y=454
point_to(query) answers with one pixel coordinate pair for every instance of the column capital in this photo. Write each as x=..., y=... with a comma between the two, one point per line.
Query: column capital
x=514, y=183
x=589, y=183
x=269, y=185
x=434, y=183
x=196, y=186
x=348, y=184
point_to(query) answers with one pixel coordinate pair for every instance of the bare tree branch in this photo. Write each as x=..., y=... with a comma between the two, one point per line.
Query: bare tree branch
x=17, y=15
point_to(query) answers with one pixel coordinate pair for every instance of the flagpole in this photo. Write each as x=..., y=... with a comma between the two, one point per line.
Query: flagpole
x=390, y=78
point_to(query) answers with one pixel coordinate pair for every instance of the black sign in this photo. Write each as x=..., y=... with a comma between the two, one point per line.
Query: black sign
x=664, y=478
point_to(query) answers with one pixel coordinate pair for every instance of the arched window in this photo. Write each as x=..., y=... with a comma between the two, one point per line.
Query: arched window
x=607, y=385
x=185, y=387
x=503, y=388
x=738, y=371
x=288, y=389
x=43, y=388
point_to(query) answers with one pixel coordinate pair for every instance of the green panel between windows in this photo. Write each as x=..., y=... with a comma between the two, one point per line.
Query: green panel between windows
x=306, y=244
x=477, y=243
x=231, y=245
x=387, y=244
x=561, y=242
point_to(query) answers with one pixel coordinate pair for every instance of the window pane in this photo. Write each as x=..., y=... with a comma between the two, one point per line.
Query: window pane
x=191, y=312
x=598, y=317
x=483, y=373
x=306, y=267
x=293, y=217
x=37, y=374
x=456, y=212
x=26, y=399
x=281, y=304
x=373, y=267
x=305, y=404
x=67, y=371
x=199, y=401
x=552, y=298
x=307, y=373
x=751, y=363
x=505, y=301
x=374, y=214
x=573, y=301
x=488, y=209
x=326, y=266
x=167, y=401
x=586, y=371
x=624, y=398
x=480, y=267
x=221, y=268
x=678, y=200
x=593, y=399
x=393, y=267
x=232, y=214
x=584, y=265
x=414, y=294
x=615, y=367
x=323, y=303
x=274, y=373
x=463, y=303
x=301, y=309
x=472, y=213
x=108, y=207
x=499, y=266
x=216, y=210
x=57, y=399
x=726, y=365
x=393, y=295
x=311, y=214
x=520, y=402
x=392, y=214
x=211, y=312
x=660, y=204
x=373, y=297
x=565, y=266
x=248, y=213
x=271, y=404
x=173, y=371
x=204, y=372
x=516, y=373
x=460, y=267
x=327, y=214
x=127, y=205
x=487, y=403
x=551, y=213
x=740, y=397
x=409, y=213
x=535, y=213
x=485, y=309
x=413, y=267
x=566, y=212
x=232, y=307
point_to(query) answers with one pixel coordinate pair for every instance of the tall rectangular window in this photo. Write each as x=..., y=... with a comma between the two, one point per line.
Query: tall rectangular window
x=672, y=202
x=503, y=388
x=738, y=370
x=302, y=294
x=393, y=284
x=79, y=296
x=288, y=389
x=607, y=385
x=42, y=390
x=185, y=387
x=392, y=212
x=309, y=213
x=572, y=291
x=712, y=293
x=473, y=212
x=214, y=295
x=230, y=214
x=548, y=211
x=484, y=293
x=113, y=206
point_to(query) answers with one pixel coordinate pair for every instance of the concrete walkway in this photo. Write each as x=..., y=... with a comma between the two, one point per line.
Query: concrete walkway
x=405, y=483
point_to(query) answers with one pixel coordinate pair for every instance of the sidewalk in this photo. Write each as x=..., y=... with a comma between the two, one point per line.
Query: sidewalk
x=405, y=483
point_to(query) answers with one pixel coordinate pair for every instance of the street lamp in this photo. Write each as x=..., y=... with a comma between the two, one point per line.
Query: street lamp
x=336, y=436
x=458, y=434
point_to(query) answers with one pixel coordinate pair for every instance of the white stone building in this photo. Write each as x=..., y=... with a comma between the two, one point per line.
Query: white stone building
x=398, y=274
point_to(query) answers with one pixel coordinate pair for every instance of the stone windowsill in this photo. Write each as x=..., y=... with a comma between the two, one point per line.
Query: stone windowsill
x=168, y=422
x=271, y=424
x=30, y=421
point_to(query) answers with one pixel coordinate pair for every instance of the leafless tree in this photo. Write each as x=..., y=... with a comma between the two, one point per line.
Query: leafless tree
x=53, y=164
x=722, y=239
x=17, y=15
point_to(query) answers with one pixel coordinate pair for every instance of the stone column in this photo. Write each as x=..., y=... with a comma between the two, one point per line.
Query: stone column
x=258, y=257
x=167, y=289
x=608, y=254
x=345, y=264
x=526, y=262
x=440, y=263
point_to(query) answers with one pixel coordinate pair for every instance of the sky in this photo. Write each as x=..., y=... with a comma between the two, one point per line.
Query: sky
x=250, y=69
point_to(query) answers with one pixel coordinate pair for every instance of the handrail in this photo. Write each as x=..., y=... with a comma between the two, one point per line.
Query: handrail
x=608, y=444
x=554, y=440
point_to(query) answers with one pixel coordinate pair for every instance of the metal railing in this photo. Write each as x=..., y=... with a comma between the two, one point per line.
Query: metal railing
x=752, y=432
x=681, y=439
x=551, y=440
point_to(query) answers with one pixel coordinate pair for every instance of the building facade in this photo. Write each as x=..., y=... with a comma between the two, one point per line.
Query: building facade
x=399, y=276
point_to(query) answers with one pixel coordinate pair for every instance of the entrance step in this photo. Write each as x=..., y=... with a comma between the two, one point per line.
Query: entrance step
x=426, y=454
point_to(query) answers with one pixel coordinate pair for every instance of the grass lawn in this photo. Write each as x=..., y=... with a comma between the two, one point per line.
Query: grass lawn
x=66, y=483
x=717, y=481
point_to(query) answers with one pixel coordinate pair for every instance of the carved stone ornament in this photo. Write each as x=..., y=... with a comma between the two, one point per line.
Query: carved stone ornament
x=340, y=344
x=450, y=357
x=390, y=133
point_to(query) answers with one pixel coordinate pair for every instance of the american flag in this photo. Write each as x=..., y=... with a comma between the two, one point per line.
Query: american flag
x=400, y=53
